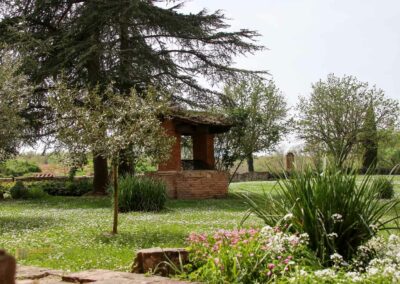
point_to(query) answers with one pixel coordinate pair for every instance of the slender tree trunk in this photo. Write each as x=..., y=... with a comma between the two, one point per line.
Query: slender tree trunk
x=250, y=163
x=115, y=179
x=100, y=179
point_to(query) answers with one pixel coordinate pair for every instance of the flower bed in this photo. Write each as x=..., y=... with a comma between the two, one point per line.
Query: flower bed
x=274, y=255
x=246, y=255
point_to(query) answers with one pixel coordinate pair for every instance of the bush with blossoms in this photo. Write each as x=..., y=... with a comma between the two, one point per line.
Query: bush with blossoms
x=378, y=261
x=246, y=255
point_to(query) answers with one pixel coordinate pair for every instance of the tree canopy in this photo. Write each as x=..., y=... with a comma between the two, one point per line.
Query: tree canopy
x=14, y=93
x=259, y=112
x=333, y=117
x=130, y=43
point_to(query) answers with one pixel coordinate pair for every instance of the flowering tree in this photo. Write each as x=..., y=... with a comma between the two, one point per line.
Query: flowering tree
x=106, y=124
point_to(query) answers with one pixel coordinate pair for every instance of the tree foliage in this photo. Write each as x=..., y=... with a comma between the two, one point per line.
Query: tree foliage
x=130, y=43
x=87, y=123
x=332, y=118
x=258, y=111
x=14, y=93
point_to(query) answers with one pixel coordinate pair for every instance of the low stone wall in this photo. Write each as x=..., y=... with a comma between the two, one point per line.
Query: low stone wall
x=197, y=184
x=254, y=176
x=43, y=178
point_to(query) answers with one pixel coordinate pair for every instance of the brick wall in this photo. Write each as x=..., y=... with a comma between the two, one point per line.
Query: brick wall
x=194, y=184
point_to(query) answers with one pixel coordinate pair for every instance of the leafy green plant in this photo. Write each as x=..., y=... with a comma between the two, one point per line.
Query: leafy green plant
x=19, y=191
x=63, y=188
x=141, y=194
x=18, y=168
x=36, y=193
x=336, y=212
x=386, y=190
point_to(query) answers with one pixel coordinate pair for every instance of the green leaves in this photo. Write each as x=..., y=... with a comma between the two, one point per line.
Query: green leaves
x=336, y=211
x=87, y=122
x=332, y=118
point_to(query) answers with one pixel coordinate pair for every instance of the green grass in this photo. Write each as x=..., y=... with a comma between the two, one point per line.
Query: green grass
x=70, y=233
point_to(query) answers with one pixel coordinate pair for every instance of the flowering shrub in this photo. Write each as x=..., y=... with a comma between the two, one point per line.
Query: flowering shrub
x=384, y=267
x=246, y=255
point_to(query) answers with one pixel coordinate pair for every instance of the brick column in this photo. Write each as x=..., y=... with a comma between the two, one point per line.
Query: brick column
x=203, y=148
x=174, y=162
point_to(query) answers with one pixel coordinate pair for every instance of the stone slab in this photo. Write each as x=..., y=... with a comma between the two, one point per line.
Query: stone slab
x=37, y=275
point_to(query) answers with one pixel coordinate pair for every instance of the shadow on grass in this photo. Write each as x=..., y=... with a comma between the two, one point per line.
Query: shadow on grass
x=25, y=223
x=62, y=202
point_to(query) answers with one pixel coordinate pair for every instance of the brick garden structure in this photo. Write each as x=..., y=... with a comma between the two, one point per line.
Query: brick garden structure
x=197, y=178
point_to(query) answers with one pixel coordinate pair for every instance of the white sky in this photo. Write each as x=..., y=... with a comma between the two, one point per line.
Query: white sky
x=308, y=39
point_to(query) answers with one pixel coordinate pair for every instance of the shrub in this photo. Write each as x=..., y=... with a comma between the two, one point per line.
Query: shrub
x=18, y=168
x=35, y=193
x=65, y=188
x=246, y=255
x=386, y=190
x=19, y=191
x=337, y=213
x=141, y=194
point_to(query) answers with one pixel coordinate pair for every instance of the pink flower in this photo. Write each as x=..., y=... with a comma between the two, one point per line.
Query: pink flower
x=271, y=266
x=216, y=260
x=286, y=261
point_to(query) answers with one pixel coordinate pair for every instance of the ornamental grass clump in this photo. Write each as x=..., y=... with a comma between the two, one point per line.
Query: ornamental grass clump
x=386, y=187
x=245, y=255
x=141, y=194
x=338, y=213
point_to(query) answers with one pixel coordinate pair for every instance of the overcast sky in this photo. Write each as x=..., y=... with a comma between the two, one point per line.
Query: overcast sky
x=307, y=39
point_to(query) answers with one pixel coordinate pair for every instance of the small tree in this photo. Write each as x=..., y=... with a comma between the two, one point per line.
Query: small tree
x=258, y=111
x=333, y=116
x=14, y=92
x=88, y=123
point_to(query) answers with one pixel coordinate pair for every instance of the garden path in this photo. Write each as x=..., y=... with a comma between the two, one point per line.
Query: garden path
x=36, y=275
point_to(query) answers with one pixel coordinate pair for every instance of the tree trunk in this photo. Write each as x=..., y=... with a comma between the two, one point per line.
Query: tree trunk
x=126, y=167
x=100, y=179
x=115, y=178
x=250, y=163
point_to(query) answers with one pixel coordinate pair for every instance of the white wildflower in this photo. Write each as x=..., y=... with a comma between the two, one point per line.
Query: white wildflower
x=325, y=273
x=337, y=218
x=372, y=271
x=267, y=230
x=332, y=235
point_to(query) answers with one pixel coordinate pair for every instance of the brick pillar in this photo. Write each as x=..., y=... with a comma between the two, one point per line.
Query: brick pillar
x=203, y=148
x=289, y=161
x=174, y=162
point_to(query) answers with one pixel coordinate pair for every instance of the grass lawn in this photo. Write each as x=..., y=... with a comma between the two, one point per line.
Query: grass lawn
x=70, y=233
